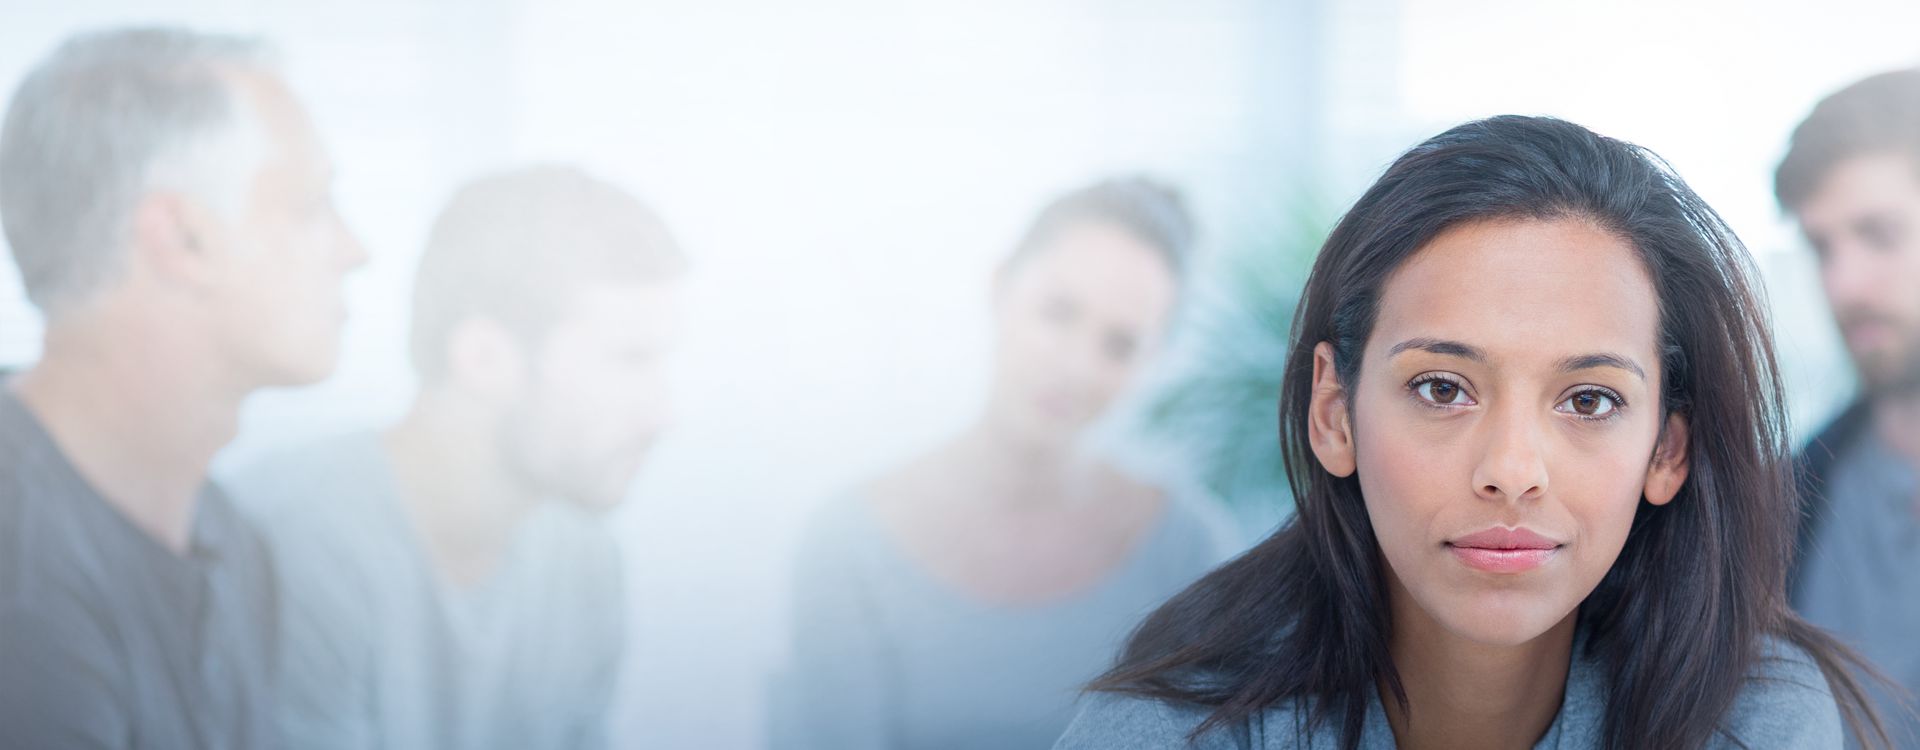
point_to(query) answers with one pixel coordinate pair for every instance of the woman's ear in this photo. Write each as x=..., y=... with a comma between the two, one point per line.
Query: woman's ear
x=1668, y=469
x=1329, y=429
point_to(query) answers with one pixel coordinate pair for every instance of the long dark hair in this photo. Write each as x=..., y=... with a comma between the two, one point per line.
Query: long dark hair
x=1678, y=621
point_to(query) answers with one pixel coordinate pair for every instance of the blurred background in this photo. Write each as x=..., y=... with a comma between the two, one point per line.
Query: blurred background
x=846, y=173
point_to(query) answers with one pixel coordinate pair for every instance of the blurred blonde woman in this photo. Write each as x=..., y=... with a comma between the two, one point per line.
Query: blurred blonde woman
x=961, y=599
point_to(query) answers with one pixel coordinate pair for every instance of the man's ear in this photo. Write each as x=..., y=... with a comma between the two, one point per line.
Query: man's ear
x=1329, y=428
x=170, y=235
x=1668, y=469
x=486, y=360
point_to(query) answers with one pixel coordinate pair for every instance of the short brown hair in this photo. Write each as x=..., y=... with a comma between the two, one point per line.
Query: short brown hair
x=1877, y=114
x=512, y=246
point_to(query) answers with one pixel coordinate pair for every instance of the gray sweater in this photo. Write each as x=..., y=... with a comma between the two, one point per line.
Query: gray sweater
x=1785, y=705
x=886, y=657
x=379, y=652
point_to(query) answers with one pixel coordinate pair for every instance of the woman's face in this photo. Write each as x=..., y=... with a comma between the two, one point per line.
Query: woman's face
x=1504, y=423
x=1073, y=320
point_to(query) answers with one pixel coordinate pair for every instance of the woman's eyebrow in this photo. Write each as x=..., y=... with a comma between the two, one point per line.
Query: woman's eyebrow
x=1601, y=359
x=1440, y=346
x=1469, y=352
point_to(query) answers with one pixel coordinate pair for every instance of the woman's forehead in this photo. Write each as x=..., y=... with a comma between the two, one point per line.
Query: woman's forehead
x=1524, y=289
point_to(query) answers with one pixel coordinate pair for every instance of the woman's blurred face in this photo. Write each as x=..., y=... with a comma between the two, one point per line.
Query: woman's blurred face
x=1073, y=320
x=1505, y=421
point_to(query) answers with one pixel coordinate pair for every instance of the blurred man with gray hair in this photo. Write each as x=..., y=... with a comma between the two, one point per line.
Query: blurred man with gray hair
x=1851, y=177
x=167, y=203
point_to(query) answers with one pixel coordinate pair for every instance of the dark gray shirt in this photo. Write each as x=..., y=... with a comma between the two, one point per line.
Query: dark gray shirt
x=107, y=638
x=1862, y=576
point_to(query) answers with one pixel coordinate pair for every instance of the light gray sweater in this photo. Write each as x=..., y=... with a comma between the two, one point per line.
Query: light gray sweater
x=886, y=657
x=1785, y=705
x=377, y=651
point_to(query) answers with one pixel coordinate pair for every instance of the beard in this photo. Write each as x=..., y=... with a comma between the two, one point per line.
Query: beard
x=1889, y=371
x=541, y=458
x=1890, y=376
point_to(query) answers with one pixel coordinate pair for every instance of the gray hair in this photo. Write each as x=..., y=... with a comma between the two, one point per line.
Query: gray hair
x=108, y=117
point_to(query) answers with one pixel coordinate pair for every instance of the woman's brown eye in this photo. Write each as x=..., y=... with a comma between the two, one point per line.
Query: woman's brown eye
x=1589, y=404
x=1439, y=392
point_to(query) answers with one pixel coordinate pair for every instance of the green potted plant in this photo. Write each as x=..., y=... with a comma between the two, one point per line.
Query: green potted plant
x=1215, y=408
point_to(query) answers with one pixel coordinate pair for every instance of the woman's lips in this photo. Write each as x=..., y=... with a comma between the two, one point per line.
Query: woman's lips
x=1502, y=550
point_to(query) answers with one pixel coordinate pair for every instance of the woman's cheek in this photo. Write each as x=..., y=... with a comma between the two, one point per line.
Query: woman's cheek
x=1405, y=492
x=1603, y=493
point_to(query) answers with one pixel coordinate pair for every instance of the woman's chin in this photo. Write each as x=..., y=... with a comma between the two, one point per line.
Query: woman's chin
x=1502, y=622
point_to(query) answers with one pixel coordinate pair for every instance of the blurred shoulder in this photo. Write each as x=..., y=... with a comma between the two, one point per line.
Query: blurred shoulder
x=1197, y=526
x=1785, y=703
x=311, y=480
x=841, y=525
x=324, y=513
x=1109, y=721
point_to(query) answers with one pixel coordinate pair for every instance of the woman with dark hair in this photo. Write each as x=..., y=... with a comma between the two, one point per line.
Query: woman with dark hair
x=962, y=599
x=1534, y=425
